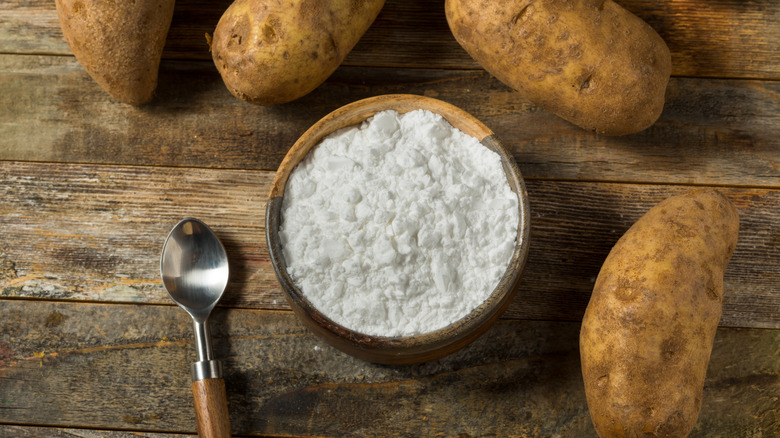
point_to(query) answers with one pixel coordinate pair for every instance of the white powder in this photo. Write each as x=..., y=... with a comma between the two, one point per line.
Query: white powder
x=400, y=226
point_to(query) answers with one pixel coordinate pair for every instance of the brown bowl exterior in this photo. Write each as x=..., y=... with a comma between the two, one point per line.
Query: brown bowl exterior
x=409, y=349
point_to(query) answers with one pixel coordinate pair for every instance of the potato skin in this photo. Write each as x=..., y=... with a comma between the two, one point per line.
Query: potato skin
x=119, y=43
x=270, y=52
x=648, y=330
x=590, y=62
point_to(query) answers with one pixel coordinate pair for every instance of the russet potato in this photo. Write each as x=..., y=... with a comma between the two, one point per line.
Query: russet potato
x=119, y=43
x=271, y=52
x=590, y=62
x=649, y=327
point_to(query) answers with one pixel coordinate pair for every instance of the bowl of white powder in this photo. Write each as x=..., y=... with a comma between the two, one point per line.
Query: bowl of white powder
x=398, y=226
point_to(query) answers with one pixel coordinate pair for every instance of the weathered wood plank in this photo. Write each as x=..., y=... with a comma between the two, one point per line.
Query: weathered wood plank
x=10, y=431
x=719, y=132
x=96, y=232
x=88, y=232
x=127, y=366
x=721, y=38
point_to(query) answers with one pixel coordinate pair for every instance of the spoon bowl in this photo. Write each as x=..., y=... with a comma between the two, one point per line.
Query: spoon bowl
x=194, y=267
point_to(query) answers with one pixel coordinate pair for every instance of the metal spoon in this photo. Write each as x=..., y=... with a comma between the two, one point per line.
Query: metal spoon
x=194, y=269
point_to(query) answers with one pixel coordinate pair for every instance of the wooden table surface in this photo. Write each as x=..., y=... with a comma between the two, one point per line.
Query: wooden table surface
x=91, y=346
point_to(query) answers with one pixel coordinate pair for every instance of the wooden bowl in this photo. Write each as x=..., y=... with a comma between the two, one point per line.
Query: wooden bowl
x=408, y=349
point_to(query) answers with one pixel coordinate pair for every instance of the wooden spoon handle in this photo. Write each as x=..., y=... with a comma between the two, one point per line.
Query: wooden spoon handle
x=211, y=411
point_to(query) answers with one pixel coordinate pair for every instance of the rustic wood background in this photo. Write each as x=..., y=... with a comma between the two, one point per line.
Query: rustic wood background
x=91, y=346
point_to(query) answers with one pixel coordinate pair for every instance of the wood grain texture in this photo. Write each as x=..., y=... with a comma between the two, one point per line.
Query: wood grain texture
x=91, y=346
x=17, y=431
x=127, y=366
x=721, y=38
x=211, y=410
x=90, y=232
x=96, y=232
x=719, y=132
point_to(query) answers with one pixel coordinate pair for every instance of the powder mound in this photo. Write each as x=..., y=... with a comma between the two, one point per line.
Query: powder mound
x=399, y=226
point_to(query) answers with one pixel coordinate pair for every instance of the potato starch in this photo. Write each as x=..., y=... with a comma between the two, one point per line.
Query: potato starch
x=399, y=226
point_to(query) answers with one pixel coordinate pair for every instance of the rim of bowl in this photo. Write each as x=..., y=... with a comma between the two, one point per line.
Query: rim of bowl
x=399, y=349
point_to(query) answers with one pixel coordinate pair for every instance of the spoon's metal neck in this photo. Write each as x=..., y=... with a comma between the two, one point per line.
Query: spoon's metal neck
x=203, y=340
